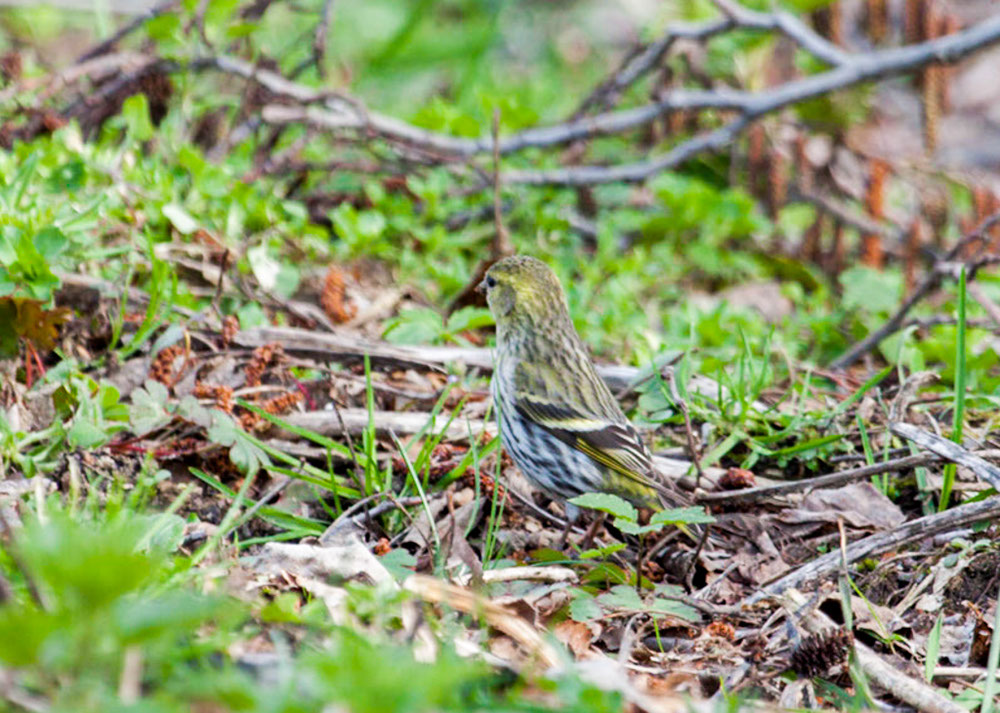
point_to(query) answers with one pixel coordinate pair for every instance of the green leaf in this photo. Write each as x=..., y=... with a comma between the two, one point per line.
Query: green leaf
x=584, y=607
x=622, y=596
x=414, y=326
x=682, y=516
x=631, y=528
x=189, y=409
x=469, y=318
x=50, y=242
x=149, y=411
x=400, y=563
x=672, y=607
x=933, y=649
x=135, y=109
x=243, y=452
x=603, y=551
x=86, y=434
x=606, y=502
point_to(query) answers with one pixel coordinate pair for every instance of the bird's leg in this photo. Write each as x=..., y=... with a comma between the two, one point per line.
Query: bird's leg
x=588, y=537
x=572, y=515
x=638, y=564
x=565, y=535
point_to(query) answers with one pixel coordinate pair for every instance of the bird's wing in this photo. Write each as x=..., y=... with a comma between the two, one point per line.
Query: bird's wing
x=613, y=444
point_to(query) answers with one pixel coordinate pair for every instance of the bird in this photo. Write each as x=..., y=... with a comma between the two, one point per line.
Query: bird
x=561, y=425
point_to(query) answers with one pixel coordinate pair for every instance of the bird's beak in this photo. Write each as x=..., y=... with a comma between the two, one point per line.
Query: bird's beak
x=481, y=287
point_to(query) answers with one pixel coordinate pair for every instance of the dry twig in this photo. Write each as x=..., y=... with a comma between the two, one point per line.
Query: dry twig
x=949, y=450
x=882, y=542
x=942, y=268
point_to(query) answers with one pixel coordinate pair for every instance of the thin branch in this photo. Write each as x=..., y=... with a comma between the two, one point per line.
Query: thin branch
x=790, y=26
x=748, y=495
x=852, y=219
x=878, y=543
x=320, y=38
x=688, y=429
x=859, y=69
x=336, y=112
x=949, y=450
x=639, y=64
x=108, y=44
x=943, y=268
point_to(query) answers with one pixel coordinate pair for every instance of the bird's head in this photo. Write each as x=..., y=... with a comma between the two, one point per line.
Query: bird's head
x=523, y=289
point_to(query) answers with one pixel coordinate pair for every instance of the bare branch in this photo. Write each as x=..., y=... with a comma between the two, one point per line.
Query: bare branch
x=860, y=68
x=108, y=44
x=790, y=26
x=638, y=65
x=336, y=112
x=949, y=450
x=942, y=269
x=319, y=40
x=878, y=543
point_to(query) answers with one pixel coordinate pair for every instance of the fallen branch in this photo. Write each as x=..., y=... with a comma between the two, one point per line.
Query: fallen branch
x=823, y=481
x=878, y=543
x=949, y=450
x=356, y=421
x=857, y=69
x=336, y=112
x=943, y=268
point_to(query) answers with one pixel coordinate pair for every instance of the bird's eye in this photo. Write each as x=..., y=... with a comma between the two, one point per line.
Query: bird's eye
x=491, y=282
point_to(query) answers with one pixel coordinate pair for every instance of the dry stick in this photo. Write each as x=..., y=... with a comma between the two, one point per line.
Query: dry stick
x=322, y=32
x=357, y=470
x=357, y=420
x=859, y=221
x=916, y=693
x=881, y=542
x=822, y=481
x=641, y=63
x=930, y=282
x=637, y=65
x=432, y=590
x=949, y=450
x=341, y=346
x=860, y=69
x=790, y=26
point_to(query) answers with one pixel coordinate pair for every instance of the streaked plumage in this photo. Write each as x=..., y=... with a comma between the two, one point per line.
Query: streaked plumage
x=558, y=420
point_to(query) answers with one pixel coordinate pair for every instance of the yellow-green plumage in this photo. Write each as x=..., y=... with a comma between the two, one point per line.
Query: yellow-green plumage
x=558, y=420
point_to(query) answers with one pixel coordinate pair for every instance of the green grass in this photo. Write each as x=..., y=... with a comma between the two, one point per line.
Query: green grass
x=961, y=379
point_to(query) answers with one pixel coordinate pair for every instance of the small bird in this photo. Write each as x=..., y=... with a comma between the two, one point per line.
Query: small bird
x=558, y=419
